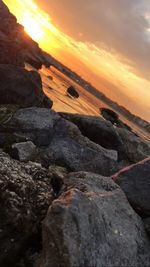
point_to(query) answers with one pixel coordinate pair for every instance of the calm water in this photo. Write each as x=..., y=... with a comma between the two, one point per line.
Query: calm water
x=86, y=104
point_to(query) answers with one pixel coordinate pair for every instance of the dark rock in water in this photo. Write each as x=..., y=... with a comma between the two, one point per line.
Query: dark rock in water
x=19, y=86
x=25, y=151
x=92, y=224
x=147, y=225
x=109, y=115
x=135, y=148
x=99, y=131
x=50, y=77
x=73, y=92
x=24, y=199
x=135, y=182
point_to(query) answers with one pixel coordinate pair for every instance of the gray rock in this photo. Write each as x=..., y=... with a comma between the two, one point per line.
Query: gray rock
x=92, y=224
x=147, y=225
x=19, y=86
x=25, y=151
x=99, y=131
x=30, y=124
x=136, y=148
x=69, y=148
x=25, y=195
x=135, y=182
x=61, y=141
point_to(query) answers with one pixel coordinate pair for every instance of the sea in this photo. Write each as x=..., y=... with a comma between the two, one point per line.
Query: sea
x=55, y=85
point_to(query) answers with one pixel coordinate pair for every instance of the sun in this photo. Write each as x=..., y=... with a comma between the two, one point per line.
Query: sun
x=32, y=27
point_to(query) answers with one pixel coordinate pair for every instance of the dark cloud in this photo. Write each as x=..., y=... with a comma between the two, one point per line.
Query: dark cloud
x=118, y=25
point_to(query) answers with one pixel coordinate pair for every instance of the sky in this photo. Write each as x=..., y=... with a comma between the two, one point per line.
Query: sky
x=107, y=42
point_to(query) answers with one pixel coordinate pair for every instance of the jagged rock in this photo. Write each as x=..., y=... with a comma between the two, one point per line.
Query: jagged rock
x=136, y=148
x=61, y=141
x=19, y=86
x=92, y=224
x=73, y=92
x=99, y=131
x=70, y=149
x=25, y=195
x=25, y=151
x=135, y=182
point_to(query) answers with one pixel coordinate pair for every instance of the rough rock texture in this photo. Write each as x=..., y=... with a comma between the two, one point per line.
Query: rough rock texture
x=99, y=131
x=25, y=194
x=135, y=182
x=136, y=148
x=92, y=224
x=70, y=149
x=147, y=225
x=63, y=143
x=25, y=151
x=73, y=92
x=19, y=86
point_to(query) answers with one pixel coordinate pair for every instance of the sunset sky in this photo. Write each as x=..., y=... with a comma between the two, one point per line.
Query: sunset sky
x=105, y=41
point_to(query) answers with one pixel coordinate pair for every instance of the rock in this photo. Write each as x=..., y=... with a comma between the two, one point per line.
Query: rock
x=136, y=148
x=61, y=141
x=48, y=103
x=99, y=131
x=70, y=149
x=19, y=86
x=147, y=225
x=50, y=77
x=135, y=182
x=109, y=115
x=73, y=92
x=25, y=151
x=25, y=195
x=92, y=224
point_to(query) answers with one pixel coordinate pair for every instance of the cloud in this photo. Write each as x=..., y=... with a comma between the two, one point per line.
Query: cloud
x=119, y=26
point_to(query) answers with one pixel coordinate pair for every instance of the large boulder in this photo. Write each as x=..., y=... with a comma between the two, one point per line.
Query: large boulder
x=99, y=131
x=92, y=224
x=61, y=141
x=136, y=148
x=69, y=148
x=135, y=182
x=19, y=86
x=25, y=195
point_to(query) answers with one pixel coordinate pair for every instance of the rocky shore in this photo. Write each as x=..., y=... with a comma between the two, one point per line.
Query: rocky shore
x=74, y=189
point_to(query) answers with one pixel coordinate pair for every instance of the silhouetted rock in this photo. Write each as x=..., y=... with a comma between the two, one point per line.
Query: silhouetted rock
x=19, y=86
x=92, y=224
x=136, y=148
x=73, y=92
x=99, y=131
x=109, y=115
x=25, y=195
x=135, y=182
